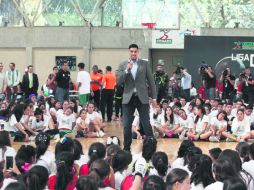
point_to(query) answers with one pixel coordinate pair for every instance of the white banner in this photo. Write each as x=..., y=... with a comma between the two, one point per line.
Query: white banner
x=171, y=39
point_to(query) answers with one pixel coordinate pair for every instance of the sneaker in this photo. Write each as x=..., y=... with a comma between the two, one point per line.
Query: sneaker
x=229, y=140
x=101, y=133
x=214, y=139
x=156, y=135
x=183, y=136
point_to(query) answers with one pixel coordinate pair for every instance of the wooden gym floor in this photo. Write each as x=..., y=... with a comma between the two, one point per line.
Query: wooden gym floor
x=170, y=146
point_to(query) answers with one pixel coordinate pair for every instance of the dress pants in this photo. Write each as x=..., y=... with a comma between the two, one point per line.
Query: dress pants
x=128, y=111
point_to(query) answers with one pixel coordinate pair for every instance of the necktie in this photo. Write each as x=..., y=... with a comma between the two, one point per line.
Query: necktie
x=30, y=76
x=12, y=78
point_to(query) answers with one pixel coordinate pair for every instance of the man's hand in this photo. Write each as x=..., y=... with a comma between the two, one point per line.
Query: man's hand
x=129, y=66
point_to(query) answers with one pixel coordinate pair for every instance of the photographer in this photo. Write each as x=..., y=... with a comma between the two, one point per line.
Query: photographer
x=209, y=81
x=247, y=80
x=228, y=81
x=185, y=83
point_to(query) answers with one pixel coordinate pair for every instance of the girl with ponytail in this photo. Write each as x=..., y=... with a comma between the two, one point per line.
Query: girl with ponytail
x=120, y=163
x=43, y=156
x=96, y=151
x=160, y=164
x=99, y=170
x=65, y=177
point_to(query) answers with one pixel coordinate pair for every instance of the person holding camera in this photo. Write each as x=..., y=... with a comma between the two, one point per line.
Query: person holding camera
x=209, y=82
x=228, y=81
x=185, y=83
x=247, y=86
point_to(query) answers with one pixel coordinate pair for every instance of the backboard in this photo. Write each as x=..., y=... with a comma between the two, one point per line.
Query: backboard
x=165, y=13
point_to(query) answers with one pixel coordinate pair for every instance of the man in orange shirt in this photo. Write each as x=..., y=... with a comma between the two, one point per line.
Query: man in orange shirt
x=107, y=94
x=96, y=81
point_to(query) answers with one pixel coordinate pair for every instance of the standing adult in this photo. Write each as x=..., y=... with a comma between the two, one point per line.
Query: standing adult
x=96, y=80
x=107, y=94
x=209, y=82
x=30, y=82
x=185, y=83
x=83, y=80
x=13, y=82
x=161, y=81
x=248, y=86
x=228, y=81
x=63, y=79
x=51, y=81
x=2, y=79
x=136, y=76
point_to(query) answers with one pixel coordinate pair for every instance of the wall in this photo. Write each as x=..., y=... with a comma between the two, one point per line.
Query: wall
x=226, y=32
x=44, y=60
x=16, y=55
x=92, y=46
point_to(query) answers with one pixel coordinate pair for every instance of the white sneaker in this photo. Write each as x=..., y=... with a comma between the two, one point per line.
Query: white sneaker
x=156, y=135
x=183, y=136
x=101, y=133
x=214, y=139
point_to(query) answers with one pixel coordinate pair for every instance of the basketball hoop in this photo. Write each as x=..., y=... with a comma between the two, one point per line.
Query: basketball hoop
x=149, y=25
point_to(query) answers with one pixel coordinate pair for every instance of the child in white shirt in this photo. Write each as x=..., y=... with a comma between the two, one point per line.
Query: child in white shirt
x=66, y=121
x=240, y=128
x=218, y=125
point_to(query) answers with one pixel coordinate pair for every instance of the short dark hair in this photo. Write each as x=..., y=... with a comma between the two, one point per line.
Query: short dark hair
x=154, y=182
x=86, y=182
x=55, y=67
x=29, y=66
x=81, y=65
x=121, y=160
x=215, y=152
x=109, y=68
x=12, y=64
x=133, y=46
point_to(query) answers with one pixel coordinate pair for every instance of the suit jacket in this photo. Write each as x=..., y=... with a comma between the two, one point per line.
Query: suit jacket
x=25, y=82
x=143, y=80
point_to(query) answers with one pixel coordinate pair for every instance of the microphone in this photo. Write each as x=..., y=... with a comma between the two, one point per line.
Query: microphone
x=129, y=65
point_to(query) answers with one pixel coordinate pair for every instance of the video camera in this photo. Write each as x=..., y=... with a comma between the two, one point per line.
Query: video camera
x=242, y=76
x=225, y=73
x=203, y=67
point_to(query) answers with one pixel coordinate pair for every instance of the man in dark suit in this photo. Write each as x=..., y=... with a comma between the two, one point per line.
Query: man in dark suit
x=30, y=82
x=136, y=76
